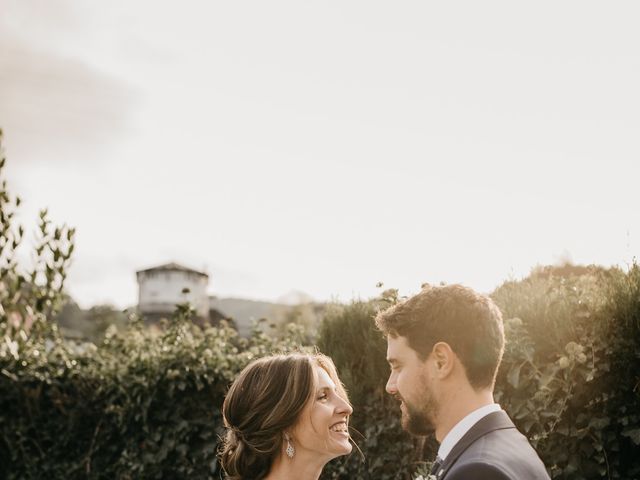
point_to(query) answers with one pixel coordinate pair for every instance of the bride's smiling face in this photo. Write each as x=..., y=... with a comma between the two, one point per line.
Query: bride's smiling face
x=323, y=425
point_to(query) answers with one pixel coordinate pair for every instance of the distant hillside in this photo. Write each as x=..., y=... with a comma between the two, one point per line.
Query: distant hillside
x=244, y=312
x=91, y=324
x=87, y=325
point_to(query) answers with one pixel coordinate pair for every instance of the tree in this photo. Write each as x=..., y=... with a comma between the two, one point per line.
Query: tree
x=30, y=295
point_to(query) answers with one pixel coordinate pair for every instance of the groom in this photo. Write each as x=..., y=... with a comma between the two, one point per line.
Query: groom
x=444, y=346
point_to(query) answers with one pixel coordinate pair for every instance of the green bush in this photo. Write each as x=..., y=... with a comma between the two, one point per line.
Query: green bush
x=569, y=378
x=30, y=295
x=570, y=374
x=145, y=405
x=140, y=405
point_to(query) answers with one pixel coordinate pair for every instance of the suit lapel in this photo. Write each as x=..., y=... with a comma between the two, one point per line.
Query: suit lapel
x=492, y=422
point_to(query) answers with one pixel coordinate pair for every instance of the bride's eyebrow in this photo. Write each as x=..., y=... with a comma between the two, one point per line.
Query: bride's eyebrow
x=327, y=387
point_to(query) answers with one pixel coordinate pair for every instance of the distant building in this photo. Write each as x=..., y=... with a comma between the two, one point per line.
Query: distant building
x=161, y=288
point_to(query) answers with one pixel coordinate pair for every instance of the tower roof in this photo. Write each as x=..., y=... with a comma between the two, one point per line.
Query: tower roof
x=172, y=267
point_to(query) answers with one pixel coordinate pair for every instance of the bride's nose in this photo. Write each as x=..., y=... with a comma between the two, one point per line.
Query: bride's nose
x=343, y=407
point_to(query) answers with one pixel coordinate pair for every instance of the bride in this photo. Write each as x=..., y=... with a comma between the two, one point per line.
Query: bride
x=286, y=416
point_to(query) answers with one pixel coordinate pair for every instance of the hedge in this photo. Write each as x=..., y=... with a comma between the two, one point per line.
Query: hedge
x=147, y=405
x=140, y=405
x=570, y=377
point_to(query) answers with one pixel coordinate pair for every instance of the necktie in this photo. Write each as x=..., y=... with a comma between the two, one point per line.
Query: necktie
x=436, y=466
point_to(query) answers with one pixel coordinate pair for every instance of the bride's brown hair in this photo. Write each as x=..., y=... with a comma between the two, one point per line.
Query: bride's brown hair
x=263, y=402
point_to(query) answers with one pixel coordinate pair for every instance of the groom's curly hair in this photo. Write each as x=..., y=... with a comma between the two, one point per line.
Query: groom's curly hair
x=469, y=322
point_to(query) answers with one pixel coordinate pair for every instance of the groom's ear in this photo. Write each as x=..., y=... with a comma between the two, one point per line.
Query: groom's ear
x=443, y=359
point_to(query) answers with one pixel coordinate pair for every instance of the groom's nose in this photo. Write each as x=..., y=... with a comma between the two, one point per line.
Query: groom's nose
x=391, y=387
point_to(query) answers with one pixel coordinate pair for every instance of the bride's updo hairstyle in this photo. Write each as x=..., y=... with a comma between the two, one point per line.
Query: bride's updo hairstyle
x=263, y=402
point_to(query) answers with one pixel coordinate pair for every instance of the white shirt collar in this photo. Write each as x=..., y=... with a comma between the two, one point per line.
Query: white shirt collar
x=463, y=426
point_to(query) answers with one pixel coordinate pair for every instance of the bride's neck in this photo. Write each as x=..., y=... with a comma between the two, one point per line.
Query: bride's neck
x=297, y=468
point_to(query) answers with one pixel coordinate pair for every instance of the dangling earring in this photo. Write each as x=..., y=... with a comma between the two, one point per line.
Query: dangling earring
x=290, y=450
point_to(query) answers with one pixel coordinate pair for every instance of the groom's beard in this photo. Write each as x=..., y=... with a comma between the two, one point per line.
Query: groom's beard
x=418, y=419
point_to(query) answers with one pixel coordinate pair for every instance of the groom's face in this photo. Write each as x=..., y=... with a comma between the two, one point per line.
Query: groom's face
x=410, y=383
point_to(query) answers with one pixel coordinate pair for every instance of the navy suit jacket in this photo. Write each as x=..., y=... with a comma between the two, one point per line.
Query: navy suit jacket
x=493, y=449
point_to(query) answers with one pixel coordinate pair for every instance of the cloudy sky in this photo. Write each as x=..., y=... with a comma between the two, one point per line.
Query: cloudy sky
x=324, y=146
